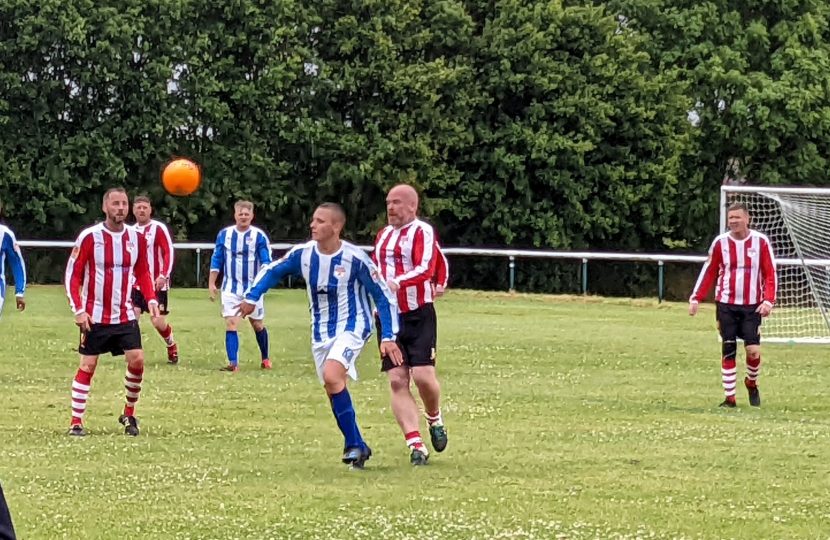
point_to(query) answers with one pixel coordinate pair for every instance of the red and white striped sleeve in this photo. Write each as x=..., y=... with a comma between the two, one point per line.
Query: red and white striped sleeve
x=423, y=259
x=709, y=273
x=164, y=244
x=141, y=271
x=377, y=246
x=442, y=268
x=76, y=269
x=769, y=272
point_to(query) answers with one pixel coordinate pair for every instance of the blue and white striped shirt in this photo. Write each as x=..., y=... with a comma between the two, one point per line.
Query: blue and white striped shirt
x=10, y=249
x=239, y=256
x=338, y=286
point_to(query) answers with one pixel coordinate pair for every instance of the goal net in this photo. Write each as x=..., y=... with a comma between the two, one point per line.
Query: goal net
x=797, y=222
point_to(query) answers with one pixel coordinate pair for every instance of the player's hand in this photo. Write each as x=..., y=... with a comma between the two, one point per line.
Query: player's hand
x=764, y=310
x=390, y=349
x=153, y=310
x=393, y=286
x=439, y=291
x=21, y=303
x=212, y=290
x=693, y=308
x=160, y=283
x=244, y=309
x=82, y=320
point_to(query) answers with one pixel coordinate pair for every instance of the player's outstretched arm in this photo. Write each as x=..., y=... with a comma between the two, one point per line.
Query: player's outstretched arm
x=18, y=265
x=268, y=277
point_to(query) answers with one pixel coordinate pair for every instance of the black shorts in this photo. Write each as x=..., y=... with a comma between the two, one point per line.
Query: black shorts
x=110, y=338
x=141, y=303
x=739, y=322
x=417, y=338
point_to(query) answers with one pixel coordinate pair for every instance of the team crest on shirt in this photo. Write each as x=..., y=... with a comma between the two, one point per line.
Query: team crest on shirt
x=752, y=252
x=130, y=246
x=249, y=240
x=339, y=272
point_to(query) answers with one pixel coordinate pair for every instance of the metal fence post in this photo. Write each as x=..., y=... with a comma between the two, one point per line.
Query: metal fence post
x=512, y=273
x=659, y=282
x=584, y=276
x=198, y=266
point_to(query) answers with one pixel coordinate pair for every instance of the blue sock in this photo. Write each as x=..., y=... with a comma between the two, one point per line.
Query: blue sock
x=341, y=403
x=262, y=341
x=232, y=346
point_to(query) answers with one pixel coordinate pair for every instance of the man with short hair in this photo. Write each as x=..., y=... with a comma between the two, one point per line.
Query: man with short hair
x=339, y=278
x=241, y=251
x=406, y=254
x=160, y=260
x=105, y=262
x=742, y=262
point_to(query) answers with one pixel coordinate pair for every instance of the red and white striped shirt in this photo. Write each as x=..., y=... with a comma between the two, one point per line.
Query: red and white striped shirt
x=159, y=250
x=106, y=265
x=407, y=257
x=744, y=270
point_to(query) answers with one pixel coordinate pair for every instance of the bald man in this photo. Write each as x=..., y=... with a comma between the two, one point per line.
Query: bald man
x=406, y=254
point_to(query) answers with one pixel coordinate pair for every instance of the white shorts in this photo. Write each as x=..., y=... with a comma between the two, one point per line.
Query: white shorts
x=231, y=302
x=343, y=348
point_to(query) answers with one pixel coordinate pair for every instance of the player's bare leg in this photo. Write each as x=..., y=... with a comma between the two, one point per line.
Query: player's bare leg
x=232, y=343
x=166, y=333
x=262, y=340
x=80, y=393
x=405, y=410
x=430, y=390
x=356, y=450
x=132, y=384
x=753, y=367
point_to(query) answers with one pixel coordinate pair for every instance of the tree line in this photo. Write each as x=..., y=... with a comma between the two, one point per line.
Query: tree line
x=551, y=124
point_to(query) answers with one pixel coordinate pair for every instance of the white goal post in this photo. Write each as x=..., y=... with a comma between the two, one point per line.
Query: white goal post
x=797, y=222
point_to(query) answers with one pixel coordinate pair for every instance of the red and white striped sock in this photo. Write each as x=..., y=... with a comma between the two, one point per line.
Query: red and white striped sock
x=435, y=418
x=167, y=335
x=132, y=383
x=753, y=367
x=413, y=440
x=80, y=393
x=730, y=376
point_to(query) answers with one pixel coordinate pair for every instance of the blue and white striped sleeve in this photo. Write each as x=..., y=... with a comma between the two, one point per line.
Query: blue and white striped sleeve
x=217, y=261
x=15, y=256
x=271, y=274
x=263, y=249
x=385, y=300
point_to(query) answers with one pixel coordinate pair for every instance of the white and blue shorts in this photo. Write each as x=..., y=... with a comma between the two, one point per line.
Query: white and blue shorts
x=343, y=348
x=232, y=301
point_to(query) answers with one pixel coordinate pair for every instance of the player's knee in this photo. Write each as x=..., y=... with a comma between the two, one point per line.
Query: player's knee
x=399, y=380
x=258, y=326
x=160, y=323
x=231, y=324
x=424, y=376
x=753, y=352
x=89, y=363
x=135, y=359
x=730, y=349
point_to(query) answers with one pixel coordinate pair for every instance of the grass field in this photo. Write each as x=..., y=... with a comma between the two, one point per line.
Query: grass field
x=568, y=419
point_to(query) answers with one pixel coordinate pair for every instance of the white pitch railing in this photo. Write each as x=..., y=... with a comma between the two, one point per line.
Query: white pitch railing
x=511, y=254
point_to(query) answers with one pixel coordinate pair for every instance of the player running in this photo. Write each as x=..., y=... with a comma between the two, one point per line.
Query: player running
x=241, y=251
x=406, y=254
x=11, y=251
x=743, y=264
x=339, y=277
x=160, y=256
x=108, y=258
